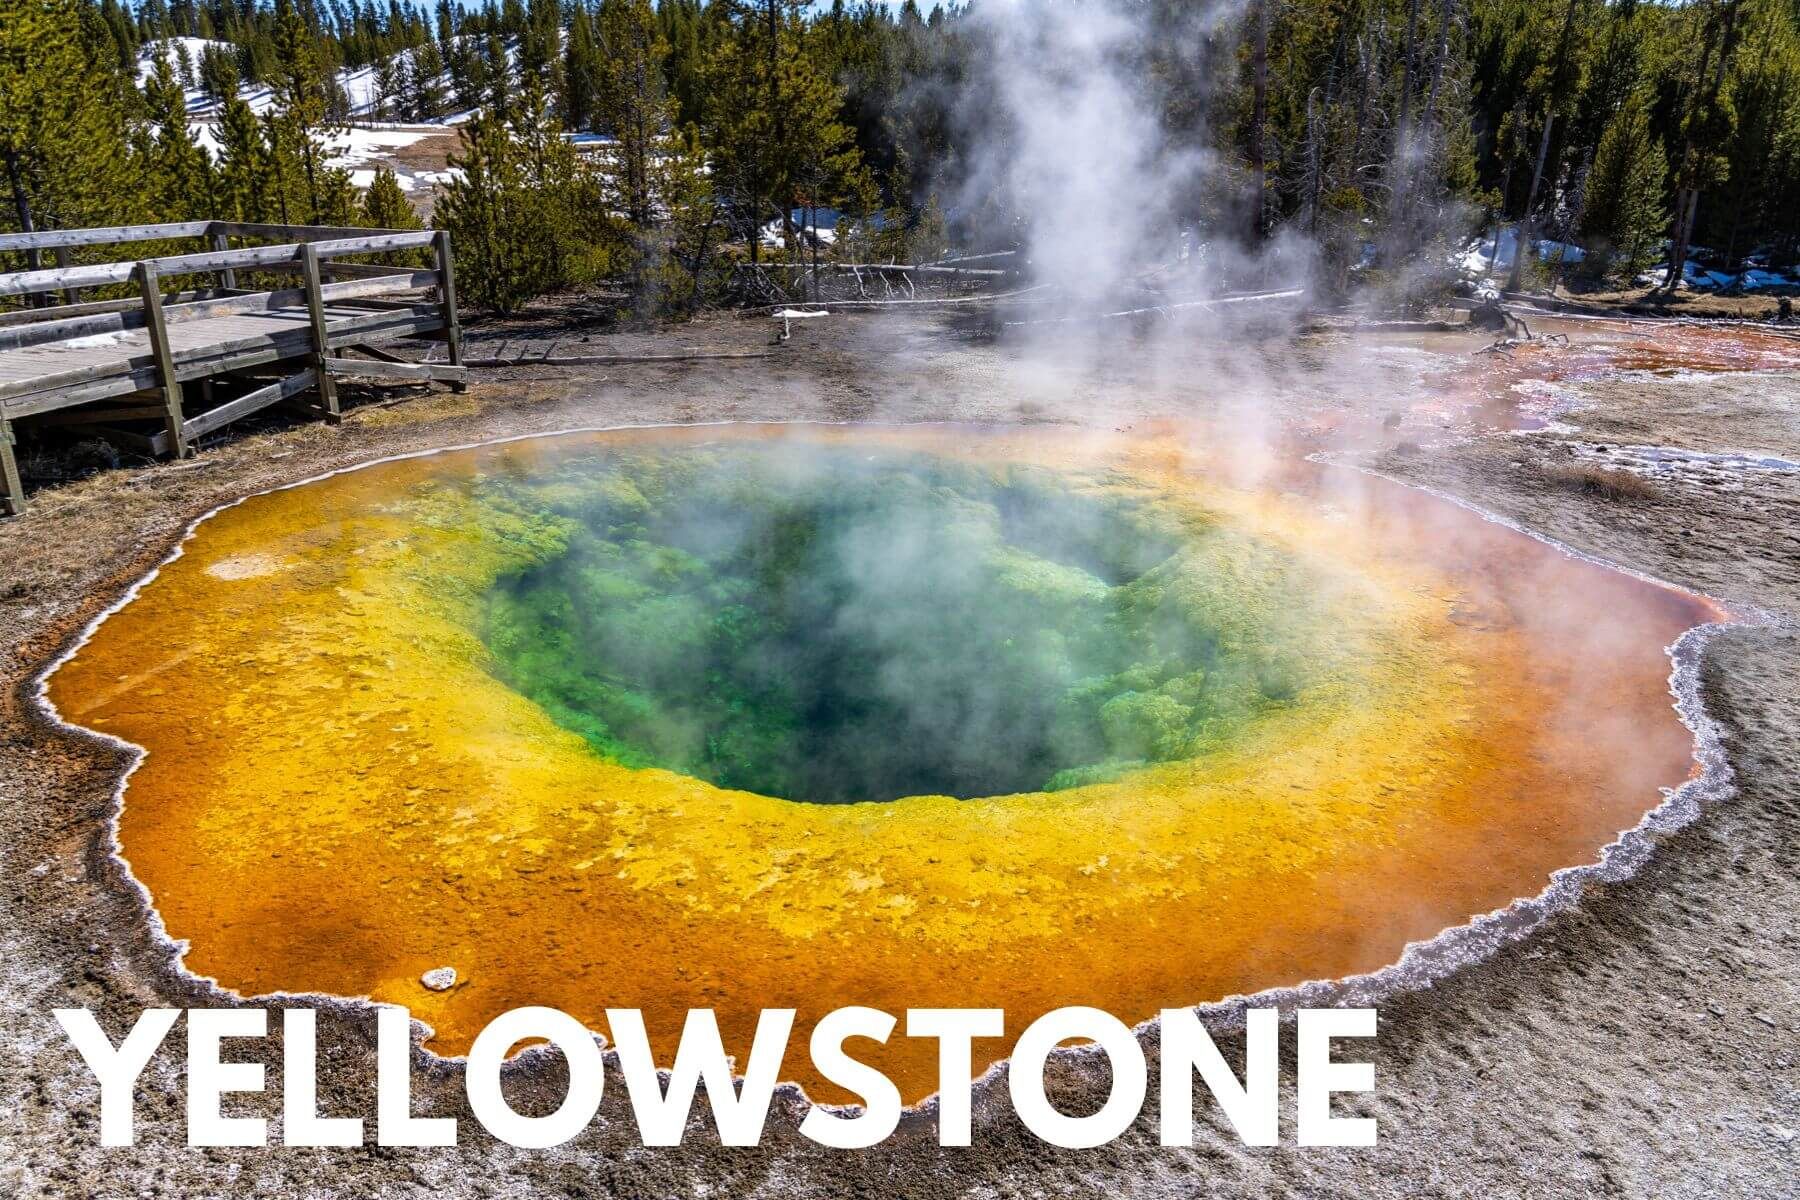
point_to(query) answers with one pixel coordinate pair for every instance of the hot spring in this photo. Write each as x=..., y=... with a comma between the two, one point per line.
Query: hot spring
x=830, y=625
x=806, y=717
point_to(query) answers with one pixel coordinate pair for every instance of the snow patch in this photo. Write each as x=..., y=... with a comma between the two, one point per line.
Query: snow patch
x=1479, y=257
x=94, y=341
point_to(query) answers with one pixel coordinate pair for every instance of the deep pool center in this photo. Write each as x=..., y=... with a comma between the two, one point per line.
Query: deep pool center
x=829, y=625
x=810, y=717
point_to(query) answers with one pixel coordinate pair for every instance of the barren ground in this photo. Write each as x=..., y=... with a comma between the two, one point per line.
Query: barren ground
x=1642, y=1044
x=1759, y=305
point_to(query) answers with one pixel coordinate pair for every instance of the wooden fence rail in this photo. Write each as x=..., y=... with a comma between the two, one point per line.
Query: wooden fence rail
x=204, y=231
x=136, y=352
x=283, y=256
x=50, y=239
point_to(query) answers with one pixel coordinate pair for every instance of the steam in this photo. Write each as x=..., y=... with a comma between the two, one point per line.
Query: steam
x=841, y=627
x=1102, y=167
x=1079, y=157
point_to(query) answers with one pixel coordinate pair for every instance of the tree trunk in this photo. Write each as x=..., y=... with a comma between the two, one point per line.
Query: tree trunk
x=1360, y=122
x=1528, y=223
x=1687, y=207
x=312, y=183
x=1687, y=196
x=782, y=187
x=812, y=219
x=754, y=199
x=1445, y=13
x=1259, y=165
x=276, y=173
x=1745, y=188
x=1500, y=217
x=21, y=201
x=1312, y=164
x=1527, y=233
x=1402, y=149
x=34, y=259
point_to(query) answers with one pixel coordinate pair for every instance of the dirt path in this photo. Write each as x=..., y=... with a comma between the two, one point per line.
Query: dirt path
x=1640, y=1045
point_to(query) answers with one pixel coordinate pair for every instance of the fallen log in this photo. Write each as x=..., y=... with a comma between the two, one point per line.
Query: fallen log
x=980, y=298
x=601, y=360
x=1165, y=309
x=841, y=268
x=354, y=368
x=969, y=258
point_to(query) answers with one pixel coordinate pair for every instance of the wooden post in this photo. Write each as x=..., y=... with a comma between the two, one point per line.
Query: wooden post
x=34, y=261
x=228, y=276
x=447, y=302
x=12, y=488
x=150, y=283
x=70, y=295
x=315, y=306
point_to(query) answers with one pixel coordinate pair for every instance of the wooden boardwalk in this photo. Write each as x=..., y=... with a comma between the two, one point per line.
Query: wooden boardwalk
x=111, y=363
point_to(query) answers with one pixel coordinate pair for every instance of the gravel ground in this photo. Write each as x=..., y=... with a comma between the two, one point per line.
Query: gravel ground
x=1642, y=1043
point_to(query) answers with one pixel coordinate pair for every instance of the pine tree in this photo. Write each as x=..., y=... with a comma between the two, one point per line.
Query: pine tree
x=63, y=131
x=560, y=191
x=693, y=223
x=1554, y=82
x=385, y=206
x=389, y=86
x=499, y=76
x=123, y=34
x=336, y=203
x=742, y=102
x=1763, y=98
x=773, y=121
x=468, y=73
x=1707, y=121
x=247, y=185
x=632, y=105
x=445, y=27
x=153, y=19
x=181, y=173
x=1369, y=121
x=582, y=68
x=424, y=88
x=218, y=74
x=303, y=119
x=540, y=47
x=653, y=176
x=286, y=190
x=682, y=23
x=818, y=162
x=480, y=207
x=1623, y=215
x=514, y=209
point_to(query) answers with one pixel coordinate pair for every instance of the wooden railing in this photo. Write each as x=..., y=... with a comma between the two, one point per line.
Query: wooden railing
x=310, y=252
x=28, y=327
x=219, y=259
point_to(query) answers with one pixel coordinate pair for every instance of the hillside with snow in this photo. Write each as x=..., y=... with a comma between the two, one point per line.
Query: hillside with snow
x=360, y=85
x=415, y=151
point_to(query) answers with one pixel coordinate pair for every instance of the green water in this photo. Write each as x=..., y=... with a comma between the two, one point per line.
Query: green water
x=834, y=625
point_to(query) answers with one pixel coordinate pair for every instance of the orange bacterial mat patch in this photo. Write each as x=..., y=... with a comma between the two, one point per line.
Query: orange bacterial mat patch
x=339, y=793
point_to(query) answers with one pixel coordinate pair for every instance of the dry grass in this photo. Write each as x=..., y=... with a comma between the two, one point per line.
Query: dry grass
x=1608, y=483
x=1749, y=306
